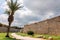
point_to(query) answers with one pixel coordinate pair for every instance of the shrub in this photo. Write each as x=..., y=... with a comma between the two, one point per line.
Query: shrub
x=30, y=33
x=50, y=38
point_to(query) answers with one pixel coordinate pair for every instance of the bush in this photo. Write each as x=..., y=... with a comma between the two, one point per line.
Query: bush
x=30, y=33
x=50, y=38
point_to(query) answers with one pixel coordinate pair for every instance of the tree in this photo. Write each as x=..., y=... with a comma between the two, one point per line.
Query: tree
x=0, y=24
x=13, y=6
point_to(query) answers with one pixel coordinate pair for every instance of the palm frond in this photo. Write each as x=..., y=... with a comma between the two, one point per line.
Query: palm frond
x=7, y=12
x=12, y=2
x=15, y=3
x=13, y=6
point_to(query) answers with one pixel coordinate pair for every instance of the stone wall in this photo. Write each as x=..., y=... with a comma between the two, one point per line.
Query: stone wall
x=49, y=26
x=4, y=29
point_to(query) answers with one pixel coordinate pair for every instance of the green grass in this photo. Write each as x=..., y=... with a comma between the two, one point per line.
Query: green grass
x=53, y=36
x=2, y=37
x=36, y=35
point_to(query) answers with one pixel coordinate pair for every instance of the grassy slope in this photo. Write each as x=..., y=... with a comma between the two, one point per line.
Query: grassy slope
x=2, y=37
x=55, y=37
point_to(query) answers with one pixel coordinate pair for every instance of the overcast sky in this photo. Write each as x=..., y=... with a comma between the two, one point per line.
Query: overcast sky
x=33, y=11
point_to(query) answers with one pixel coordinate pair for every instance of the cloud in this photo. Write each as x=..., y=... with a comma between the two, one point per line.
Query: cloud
x=20, y=17
x=3, y=19
x=41, y=7
x=33, y=11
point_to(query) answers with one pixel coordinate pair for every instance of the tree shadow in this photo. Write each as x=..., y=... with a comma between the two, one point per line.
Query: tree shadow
x=8, y=38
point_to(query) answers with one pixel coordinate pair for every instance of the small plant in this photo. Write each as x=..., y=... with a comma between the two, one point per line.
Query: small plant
x=30, y=33
x=50, y=38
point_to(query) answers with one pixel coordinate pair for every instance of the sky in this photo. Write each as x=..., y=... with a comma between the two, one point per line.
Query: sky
x=33, y=11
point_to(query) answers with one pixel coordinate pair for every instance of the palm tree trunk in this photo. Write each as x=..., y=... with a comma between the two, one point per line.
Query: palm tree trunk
x=8, y=30
x=10, y=20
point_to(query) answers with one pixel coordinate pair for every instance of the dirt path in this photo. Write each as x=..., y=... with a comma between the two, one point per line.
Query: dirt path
x=25, y=38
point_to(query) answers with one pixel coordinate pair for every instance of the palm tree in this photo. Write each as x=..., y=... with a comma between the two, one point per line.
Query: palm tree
x=13, y=6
